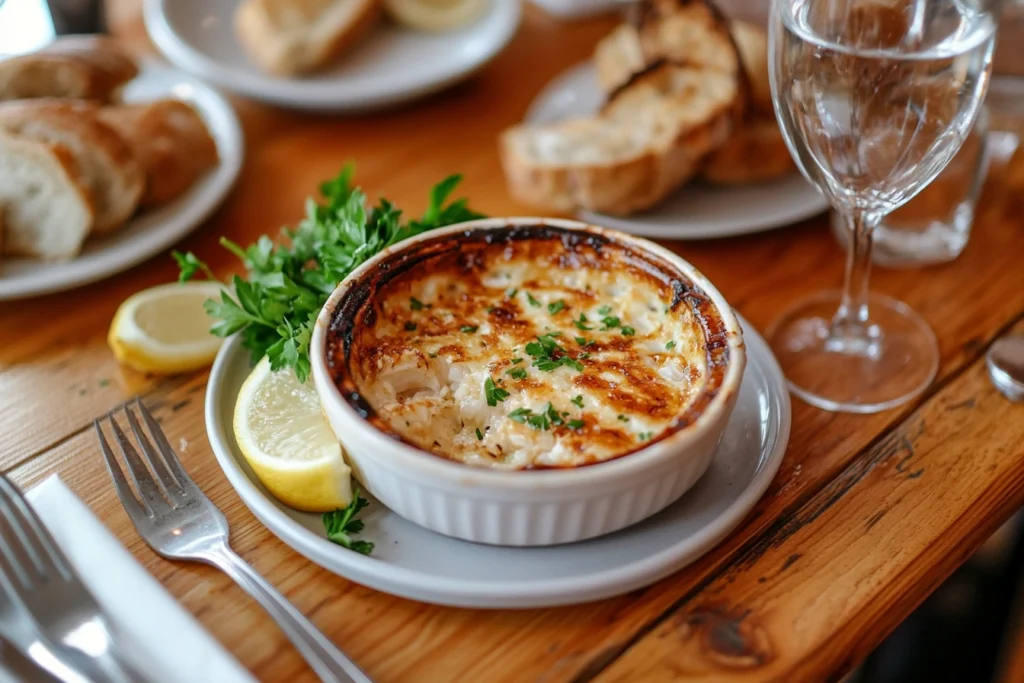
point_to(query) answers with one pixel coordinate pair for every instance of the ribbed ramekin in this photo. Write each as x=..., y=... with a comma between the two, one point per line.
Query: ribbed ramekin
x=529, y=508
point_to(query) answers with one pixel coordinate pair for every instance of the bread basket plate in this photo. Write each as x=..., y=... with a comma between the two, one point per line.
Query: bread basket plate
x=413, y=562
x=390, y=65
x=696, y=211
x=153, y=230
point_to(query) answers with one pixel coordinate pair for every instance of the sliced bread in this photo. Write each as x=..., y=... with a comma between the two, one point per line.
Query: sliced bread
x=293, y=37
x=618, y=56
x=755, y=152
x=86, y=67
x=171, y=142
x=47, y=209
x=752, y=43
x=106, y=162
x=650, y=138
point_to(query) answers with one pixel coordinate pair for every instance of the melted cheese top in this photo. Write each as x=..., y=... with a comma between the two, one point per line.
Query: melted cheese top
x=528, y=357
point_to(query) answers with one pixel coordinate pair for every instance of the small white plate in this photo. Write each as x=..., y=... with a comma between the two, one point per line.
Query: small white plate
x=392, y=64
x=154, y=230
x=697, y=211
x=415, y=563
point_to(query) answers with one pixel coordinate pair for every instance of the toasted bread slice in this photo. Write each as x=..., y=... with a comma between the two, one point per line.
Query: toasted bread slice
x=293, y=37
x=47, y=209
x=755, y=152
x=650, y=138
x=85, y=67
x=752, y=43
x=171, y=142
x=106, y=162
x=618, y=56
x=690, y=32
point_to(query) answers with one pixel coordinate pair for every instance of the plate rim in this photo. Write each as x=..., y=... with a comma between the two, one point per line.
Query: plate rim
x=408, y=583
x=749, y=226
x=159, y=237
x=319, y=95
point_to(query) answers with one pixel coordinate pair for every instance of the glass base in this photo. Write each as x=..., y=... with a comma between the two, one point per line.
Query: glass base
x=892, y=360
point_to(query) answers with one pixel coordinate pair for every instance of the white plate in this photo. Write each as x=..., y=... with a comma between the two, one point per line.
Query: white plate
x=154, y=230
x=392, y=64
x=412, y=562
x=697, y=211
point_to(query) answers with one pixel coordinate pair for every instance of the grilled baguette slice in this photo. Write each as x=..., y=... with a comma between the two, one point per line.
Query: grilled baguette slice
x=108, y=166
x=293, y=37
x=618, y=56
x=85, y=67
x=47, y=209
x=752, y=43
x=170, y=141
x=650, y=138
x=754, y=153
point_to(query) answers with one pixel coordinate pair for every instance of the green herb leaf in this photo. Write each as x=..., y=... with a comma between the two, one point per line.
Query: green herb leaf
x=556, y=306
x=604, y=310
x=548, y=355
x=576, y=424
x=610, y=322
x=645, y=436
x=533, y=302
x=578, y=401
x=669, y=346
x=628, y=331
x=581, y=323
x=510, y=294
x=415, y=304
x=410, y=326
x=493, y=394
x=469, y=329
x=479, y=435
x=516, y=373
x=516, y=360
x=341, y=524
x=189, y=265
x=622, y=418
x=520, y=414
x=553, y=415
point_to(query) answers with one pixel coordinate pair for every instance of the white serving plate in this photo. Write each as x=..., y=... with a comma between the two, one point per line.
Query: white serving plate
x=153, y=230
x=415, y=563
x=697, y=211
x=391, y=65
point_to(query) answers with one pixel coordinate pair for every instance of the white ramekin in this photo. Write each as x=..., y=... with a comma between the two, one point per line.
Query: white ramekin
x=528, y=508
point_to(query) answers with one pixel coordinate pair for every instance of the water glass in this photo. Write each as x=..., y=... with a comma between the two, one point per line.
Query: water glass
x=934, y=226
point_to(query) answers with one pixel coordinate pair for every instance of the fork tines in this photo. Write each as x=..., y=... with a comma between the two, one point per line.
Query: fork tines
x=29, y=556
x=160, y=482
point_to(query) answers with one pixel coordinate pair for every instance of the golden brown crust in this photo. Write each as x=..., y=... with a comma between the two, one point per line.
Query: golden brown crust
x=171, y=142
x=80, y=67
x=378, y=326
x=756, y=152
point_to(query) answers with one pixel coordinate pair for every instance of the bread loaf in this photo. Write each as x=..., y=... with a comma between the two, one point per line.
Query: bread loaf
x=86, y=67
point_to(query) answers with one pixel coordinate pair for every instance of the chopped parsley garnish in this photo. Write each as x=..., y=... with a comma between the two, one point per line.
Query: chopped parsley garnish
x=581, y=323
x=340, y=524
x=511, y=293
x=415, y=304
x=645, y=436
x=584, y=342
x=584, y=356
x=556, y=306
x=669, y=346
x=576, y=424
x=516, y=373
x=628, y=331
x=610, y=322
x=493, y=393
x=516, y=360
x=533, y=302
x=578, y=401
x=489, y=310
x=553, y=415
x=469, y=329
x=432, y=355
x=548, y=355
x=479, y=435
x=622, y=418
x=604, y=310
x=410, y=327
x=520, y=414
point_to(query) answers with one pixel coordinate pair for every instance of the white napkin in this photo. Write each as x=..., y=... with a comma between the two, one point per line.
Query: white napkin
x=167, y=642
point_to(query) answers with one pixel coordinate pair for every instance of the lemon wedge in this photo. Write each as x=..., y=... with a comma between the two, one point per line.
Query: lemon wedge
x=434, y=15
x=288, y=443
x=164, y=329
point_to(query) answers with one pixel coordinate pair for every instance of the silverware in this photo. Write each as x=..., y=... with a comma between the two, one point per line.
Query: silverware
x=179, y=522
x=1005, y=361
x=49, y=613
x=23, y=669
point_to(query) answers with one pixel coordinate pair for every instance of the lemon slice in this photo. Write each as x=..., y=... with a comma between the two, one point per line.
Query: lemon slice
x=288, y=443
x=164, y=329
x=435, y=15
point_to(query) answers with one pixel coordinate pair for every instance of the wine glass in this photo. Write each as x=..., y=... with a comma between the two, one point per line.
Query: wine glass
x=874, y=97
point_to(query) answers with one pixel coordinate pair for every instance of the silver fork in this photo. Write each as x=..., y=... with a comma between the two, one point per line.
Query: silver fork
x=179, y=522
x=46, y=609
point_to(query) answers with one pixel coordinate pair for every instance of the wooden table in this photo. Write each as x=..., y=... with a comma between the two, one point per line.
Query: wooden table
x=867, y=515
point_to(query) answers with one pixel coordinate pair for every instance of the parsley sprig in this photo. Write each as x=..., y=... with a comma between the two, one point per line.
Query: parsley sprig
x=341, y=524
x=275, y=306
x=548, y=355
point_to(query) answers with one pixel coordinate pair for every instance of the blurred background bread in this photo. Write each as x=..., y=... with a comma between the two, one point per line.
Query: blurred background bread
x=293, y=37
x=86, y=67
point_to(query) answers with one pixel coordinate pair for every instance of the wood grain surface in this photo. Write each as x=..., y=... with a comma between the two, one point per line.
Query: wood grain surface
x=866, y=516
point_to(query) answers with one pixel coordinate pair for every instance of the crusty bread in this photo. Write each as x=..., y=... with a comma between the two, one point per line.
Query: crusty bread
x=618, y=56
x=86, y=67
x=106, y=162
x=752, y=43
x=170, y=141
x=47, y=210
x=650, y=138
x=293, y=37
x=690, y=32
x=755, y=152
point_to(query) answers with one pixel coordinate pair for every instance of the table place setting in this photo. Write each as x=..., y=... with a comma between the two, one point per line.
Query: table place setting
x=578, y=404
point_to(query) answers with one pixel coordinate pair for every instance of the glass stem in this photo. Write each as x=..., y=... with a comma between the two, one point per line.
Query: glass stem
x=850, y=321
